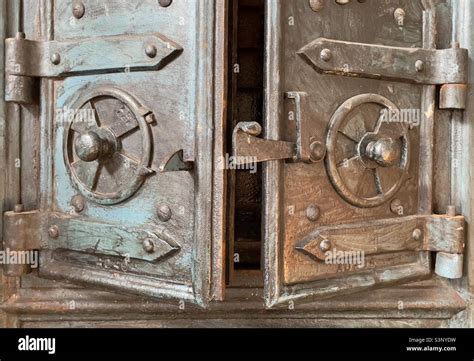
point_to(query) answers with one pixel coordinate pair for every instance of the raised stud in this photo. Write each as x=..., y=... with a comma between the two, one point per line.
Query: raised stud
x=164, y=213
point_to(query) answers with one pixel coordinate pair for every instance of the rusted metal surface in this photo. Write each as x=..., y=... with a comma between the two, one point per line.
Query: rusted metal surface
x=114, y=212
x=380, y=203
x=398, y=163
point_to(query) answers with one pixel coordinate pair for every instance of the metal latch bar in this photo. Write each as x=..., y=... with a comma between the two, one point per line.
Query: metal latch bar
x=308, y=147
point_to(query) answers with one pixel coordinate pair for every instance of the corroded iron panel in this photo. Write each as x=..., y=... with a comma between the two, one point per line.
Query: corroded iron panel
x=371, y=171
x=126, y=171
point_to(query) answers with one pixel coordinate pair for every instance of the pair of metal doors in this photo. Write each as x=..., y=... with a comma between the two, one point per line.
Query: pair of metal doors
x=132, y=100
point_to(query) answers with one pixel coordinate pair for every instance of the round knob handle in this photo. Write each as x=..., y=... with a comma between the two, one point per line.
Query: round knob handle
x=385, y=151
x=89, y=146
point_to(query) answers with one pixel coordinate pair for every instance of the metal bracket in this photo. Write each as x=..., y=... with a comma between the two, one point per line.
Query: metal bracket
x=248, y=148
x=443, y=234
x=30, y=231
x=29, y=59
x=446, y=67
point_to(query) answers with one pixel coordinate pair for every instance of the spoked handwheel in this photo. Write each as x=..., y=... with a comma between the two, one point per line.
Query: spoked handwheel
x=108, y=146
x=367, y=154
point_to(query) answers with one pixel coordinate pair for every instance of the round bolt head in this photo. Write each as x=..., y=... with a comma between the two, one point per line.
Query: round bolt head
x=396, y=207
x=326, y=55
x=313, y=213
x=316, y=5
x=151, y=51
x=88, y=146
x=53, y=231
x=343, y=2
x=165, y=3
x=419, y=66
x=164, y=213
x=78, y=9
x=318, y=151
x=417, y=234
x=399, y=16
x=325, y=245
x=149, y=245
x=55, y=58
x=78, y=203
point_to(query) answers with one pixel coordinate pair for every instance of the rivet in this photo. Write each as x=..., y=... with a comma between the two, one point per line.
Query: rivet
x=164, y=213
x=149, y=245
x=417, y=234
x=165, y=3
x=151, y=51
x=419, y=66
x=316, y=5
x=396, y=207
x=18, y=208
x=318, y=151
x=53, y=231
x=343, y=2
x=55, y=58
x=78, y=9
x=399, y=16
x=325, y=245
x=78, y=203
x=313, y=213
x=326, y=55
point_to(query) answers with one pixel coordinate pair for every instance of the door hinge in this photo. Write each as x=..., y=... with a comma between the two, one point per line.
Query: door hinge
x=27, y=60
x=442, y=234
x=21, y=235
x=445, y=67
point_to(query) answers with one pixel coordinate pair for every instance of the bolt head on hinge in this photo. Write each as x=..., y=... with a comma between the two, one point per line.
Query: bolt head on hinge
x=417, y=234
x=151, y=51
x=53, y=232
x=419, y=66
x=55, y=58
x=149, y=245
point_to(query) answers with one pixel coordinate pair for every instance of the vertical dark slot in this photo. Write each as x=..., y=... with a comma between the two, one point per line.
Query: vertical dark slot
x=246, y=104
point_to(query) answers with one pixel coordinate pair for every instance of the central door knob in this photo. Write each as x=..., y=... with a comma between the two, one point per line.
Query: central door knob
x=385, y=151
x=90, y=146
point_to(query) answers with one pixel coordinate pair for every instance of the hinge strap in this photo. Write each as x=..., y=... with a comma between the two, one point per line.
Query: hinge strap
x=422, y=66
x=51, y=59
x=445, y=67
x=435, y=233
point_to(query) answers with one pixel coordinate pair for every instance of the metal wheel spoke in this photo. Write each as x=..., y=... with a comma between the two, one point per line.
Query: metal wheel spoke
x=87, y=172
x=355, y=128
x=124, y=122
x=122, y=168
x=348, y=137
x=86, y=118
x=378, y=182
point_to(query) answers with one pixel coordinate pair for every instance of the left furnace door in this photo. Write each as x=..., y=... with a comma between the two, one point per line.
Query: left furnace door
x=126, y=178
